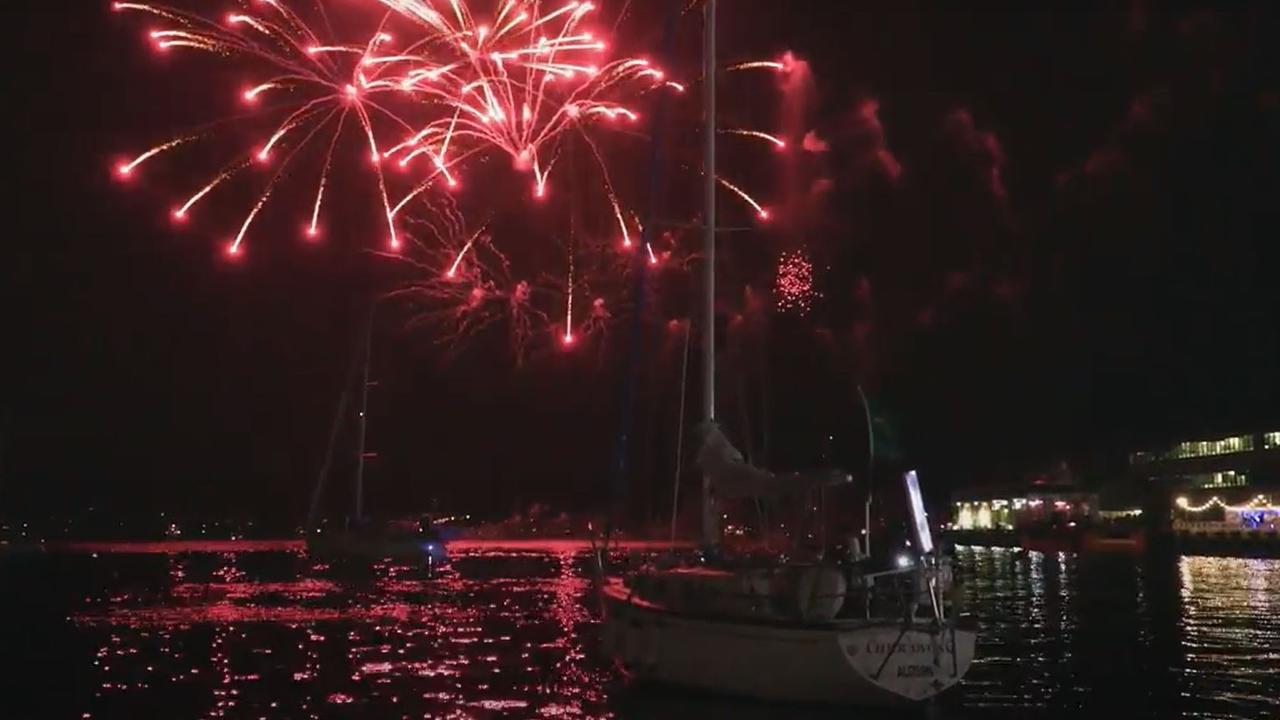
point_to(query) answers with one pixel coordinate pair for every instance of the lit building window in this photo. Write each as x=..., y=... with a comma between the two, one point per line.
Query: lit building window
x=984, y=516
x=1207, y=448
x=1271, y=440
x=1227, y=479
x=987, y=515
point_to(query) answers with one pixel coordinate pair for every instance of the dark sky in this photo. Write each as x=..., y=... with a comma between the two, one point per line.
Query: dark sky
x=1077, y=253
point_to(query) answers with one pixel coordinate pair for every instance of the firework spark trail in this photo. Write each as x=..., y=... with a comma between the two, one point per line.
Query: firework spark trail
x=314, y=228
x=234, y=248
x=435, y=89
x=321, y=87
x=516, y=90
x=453, y=269
x=150, y=9
x=126, y=169
x=758, y=65
x=609, y=191
x=376, y=157
x=516, y=86
x=428, y=183
x=622, y=222
x=763, y=213
x=570, y=288
x=519, y=88
x=181, y=212
x=777, y=141
x=476, y=291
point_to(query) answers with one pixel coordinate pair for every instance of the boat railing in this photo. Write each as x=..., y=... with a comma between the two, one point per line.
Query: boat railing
x=919, y=593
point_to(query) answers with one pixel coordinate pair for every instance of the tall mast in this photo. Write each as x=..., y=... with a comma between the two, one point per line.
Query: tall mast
x=313, y=511
x=710, y=520
x=364, y=416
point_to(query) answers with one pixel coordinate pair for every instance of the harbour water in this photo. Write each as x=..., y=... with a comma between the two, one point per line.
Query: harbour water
x=513, y=633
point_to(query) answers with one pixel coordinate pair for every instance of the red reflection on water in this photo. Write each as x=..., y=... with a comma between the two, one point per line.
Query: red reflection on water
x=178, y=547
x=307, y=588
x=175, y=547
x=501, y=632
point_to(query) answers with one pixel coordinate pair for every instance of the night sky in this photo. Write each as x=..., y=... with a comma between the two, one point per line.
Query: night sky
x=1043, y=233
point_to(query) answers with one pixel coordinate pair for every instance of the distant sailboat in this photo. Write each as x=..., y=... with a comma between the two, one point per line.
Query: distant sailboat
x=361, y=537
x=839, y=630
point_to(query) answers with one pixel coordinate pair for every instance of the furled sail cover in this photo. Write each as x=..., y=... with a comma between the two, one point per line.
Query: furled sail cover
x=733, y=477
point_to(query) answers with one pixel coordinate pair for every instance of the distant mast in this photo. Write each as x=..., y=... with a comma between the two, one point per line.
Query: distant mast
x=710, y=521
x=360, y=360
x=363, y=423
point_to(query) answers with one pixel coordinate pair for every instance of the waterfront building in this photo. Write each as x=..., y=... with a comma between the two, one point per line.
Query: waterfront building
x=1222, y=484
x=1010, y=508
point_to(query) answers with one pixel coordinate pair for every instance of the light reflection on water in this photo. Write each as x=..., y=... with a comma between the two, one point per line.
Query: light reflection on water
x=1230, y=634
x=492, y=635
x=504, y=633
x=1105, y=636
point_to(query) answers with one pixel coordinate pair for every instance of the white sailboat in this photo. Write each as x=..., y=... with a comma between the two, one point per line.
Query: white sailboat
x=824, y=632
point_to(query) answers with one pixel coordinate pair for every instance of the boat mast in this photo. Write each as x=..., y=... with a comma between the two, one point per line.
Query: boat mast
x=710, y=519
x=871, y=466
x=364, y=417
x=313, y=511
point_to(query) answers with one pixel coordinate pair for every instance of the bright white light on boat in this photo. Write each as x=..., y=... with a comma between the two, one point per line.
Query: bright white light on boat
x=904, y=560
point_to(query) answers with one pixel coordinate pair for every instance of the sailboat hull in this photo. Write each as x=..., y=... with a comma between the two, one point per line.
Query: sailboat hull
x=844, y=662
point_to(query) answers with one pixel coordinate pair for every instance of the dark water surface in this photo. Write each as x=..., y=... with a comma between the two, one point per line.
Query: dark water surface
x=505, y=633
